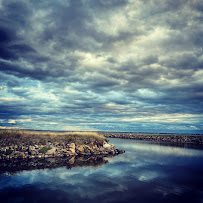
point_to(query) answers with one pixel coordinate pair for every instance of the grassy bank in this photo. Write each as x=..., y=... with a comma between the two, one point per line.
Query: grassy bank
x=23, y=149
x=42, y=137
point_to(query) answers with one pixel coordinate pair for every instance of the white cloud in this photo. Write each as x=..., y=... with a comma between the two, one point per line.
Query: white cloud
x=91, y=60
x=11, y=121
x=147, y=93
x=9, y=99
x=111, y=24
x=167, y=118
x=7, y=127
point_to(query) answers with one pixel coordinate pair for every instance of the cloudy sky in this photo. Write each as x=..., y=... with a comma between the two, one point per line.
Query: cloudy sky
x=115, y=65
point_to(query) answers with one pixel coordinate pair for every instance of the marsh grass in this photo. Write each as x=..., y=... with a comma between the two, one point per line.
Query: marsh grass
x=44, y=136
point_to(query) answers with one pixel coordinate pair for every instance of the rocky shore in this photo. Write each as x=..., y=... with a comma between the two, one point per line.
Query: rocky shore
x=51, y=150
x=180, y=140
x=24, y=150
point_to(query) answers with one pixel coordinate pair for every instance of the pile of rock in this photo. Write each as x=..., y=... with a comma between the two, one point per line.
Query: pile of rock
x=161, y=137
x=57, y=150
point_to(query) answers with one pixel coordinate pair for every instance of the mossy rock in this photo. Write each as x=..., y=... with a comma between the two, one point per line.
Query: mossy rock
x=44, y=150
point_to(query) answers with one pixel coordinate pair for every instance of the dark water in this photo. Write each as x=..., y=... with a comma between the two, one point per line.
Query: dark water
x=145, y=173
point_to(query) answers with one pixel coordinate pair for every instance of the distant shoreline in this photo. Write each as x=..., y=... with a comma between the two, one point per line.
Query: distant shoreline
x=191, y=140
x=109, y=132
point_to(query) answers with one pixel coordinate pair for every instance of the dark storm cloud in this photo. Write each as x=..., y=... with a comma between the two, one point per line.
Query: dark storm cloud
x=108, y=4
x=6, y=36
x=113, y=61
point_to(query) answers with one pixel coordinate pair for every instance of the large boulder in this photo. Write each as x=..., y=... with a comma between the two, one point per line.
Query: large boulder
x=106, y=145
x=71, y=147
x=31, y=148
x=51, y=151
x=72, y=150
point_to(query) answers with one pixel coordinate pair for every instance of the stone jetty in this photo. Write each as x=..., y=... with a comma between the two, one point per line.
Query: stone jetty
x=55, y=149
x=24, y=150
x=14, y=158
x=174, y=139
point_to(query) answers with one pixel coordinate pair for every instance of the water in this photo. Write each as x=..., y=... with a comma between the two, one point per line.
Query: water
x=145, y=173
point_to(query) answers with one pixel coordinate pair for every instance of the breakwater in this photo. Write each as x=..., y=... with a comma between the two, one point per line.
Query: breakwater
x=172, y=139
x=20, y=157
x=56, y=149
x=24, y=150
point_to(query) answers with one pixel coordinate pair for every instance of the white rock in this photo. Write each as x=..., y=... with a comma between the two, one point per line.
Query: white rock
x=108, y=145
x=51, y=151
x=72, y=145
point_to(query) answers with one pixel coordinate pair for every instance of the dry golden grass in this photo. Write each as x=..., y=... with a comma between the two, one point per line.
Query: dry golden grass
x=77, y=137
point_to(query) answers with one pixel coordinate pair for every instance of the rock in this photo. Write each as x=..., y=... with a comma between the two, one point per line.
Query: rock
x=72, y=145
x=36, y=147
x=80, y=149
x=51, y=151
x=30, y=148
x=91, y=145
x=112, y=152
x=32, y=152
x=121, y=151
x=72, y=160
x=108, y=145
x=87, y=149
x=105, y=142
x=63, y=145
x=69, y=153
x=69, y=150
x=72, y=148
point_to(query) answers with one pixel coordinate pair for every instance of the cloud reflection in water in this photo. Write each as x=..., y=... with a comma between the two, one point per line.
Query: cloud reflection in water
x=145, y=173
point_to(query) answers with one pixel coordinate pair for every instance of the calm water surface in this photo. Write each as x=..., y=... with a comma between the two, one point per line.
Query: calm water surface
x=145, y=173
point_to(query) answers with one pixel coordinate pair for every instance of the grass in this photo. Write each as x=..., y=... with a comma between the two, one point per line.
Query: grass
x=44, y=136
x=44, y=150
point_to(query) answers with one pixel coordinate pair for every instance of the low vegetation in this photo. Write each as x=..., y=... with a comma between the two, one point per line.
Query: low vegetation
x=42, y=137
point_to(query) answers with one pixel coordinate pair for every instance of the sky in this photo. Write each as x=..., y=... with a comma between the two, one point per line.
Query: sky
x=102, y=65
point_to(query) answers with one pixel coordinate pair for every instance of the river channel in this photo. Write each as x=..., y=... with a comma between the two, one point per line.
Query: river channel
x=145, y=173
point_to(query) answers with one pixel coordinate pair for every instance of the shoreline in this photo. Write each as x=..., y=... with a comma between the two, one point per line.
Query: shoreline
x=55, y=150
x=179, y=140
x=28, y=149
